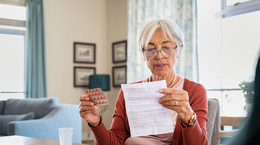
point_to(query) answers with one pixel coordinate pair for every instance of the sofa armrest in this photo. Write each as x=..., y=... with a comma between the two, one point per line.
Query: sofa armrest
x=47, y=127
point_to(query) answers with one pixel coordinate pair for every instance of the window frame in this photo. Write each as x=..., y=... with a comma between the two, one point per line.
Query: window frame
x=239, y=8
x=12, y=31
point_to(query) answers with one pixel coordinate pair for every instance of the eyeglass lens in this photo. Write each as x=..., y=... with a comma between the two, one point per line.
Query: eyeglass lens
x=151, y=53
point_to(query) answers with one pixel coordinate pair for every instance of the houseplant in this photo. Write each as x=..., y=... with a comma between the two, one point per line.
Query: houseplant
x=248, y=91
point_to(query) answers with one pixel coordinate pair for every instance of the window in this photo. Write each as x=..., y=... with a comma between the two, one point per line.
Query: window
x=228, y=51
x=12, y=44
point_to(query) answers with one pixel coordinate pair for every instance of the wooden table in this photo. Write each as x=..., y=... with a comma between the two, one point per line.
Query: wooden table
x=230, y=121
x=21, y=140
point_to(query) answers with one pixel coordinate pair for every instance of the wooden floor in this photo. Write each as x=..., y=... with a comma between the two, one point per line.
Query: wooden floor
x=88, y=142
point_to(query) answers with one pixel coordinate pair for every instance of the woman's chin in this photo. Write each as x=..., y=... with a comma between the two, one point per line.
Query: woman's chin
x=160, y=76
x=161, y=73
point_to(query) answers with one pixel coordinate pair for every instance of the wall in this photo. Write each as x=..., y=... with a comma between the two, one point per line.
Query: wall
x=116, y=31
x=101, y=22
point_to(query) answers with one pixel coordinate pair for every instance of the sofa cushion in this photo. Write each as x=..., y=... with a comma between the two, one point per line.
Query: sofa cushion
x=2, y=107
x=5, y=119
x=40, y=107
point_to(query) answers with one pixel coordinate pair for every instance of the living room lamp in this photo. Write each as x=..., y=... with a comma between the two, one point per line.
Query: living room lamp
x=99, y=81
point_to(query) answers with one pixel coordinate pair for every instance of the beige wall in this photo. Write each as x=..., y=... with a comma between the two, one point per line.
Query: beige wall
x=95, y=21
x=116, y=31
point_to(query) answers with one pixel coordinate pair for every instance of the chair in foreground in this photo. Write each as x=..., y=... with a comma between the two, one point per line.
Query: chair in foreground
x=213, y=124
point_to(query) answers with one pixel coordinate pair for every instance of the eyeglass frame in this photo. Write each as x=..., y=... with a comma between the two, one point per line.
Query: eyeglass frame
x=144, y=52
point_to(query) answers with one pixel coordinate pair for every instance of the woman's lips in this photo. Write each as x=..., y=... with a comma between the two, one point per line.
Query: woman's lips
x=160, y=66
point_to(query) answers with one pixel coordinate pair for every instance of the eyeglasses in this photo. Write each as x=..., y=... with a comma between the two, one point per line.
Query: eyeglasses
x=166, y=52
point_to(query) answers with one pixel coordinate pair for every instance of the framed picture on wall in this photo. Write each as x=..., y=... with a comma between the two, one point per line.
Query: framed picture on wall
x=84, y=52
x=119, y=75
x=119, y=51
x=81, y=76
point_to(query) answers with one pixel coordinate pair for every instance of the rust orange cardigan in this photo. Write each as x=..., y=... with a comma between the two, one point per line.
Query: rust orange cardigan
x=195, y=135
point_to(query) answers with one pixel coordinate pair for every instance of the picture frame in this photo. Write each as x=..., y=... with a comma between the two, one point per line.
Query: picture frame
x=119, y=51
x=84, y=52
x=81, y=76
x=119, y=75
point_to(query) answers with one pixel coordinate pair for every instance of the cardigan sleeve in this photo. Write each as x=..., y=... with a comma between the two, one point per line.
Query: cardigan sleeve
x=119, y=130
x=198, y=100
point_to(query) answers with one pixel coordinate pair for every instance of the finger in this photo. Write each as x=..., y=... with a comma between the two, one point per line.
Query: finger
x=174, y=103
x=178, y=109
x=172, y=107
x=86, y=108
x=173, y=91
x=83, y=98
x=82, y=114
x=86, y=103
x=172, y=98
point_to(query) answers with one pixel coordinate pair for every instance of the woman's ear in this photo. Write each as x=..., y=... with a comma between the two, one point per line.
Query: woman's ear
x=144, y=58
x=179, y=51
x=143, y=55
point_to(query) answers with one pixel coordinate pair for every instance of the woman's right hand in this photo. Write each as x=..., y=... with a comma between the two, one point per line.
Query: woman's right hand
x=89, y=111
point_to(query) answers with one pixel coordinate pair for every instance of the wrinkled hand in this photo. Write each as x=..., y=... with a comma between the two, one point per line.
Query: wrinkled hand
x=177, y=100
x=89, y=111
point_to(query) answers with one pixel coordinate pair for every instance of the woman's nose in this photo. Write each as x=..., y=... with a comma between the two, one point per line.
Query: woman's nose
x=159, y=54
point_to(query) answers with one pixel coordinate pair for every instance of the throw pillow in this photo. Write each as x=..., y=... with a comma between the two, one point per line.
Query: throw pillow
x=2, y=107
x=40, y=107
x=5, y=119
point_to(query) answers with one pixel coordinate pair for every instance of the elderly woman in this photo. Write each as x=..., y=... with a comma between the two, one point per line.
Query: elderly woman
x=161, y=42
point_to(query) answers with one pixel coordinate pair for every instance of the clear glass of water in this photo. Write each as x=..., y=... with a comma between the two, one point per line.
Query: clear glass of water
x=65, y=136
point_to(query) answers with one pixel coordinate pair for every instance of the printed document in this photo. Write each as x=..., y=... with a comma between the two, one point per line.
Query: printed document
x=145, y=115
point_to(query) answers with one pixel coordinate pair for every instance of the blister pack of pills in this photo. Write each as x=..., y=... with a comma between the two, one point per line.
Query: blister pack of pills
x=97, y=96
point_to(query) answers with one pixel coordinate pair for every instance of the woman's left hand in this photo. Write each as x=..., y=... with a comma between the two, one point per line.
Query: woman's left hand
x=177, y=100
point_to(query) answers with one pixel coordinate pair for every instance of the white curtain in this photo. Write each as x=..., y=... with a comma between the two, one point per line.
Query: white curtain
x=184, y=13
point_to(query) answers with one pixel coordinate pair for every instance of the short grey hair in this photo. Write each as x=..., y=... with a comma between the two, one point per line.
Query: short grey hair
x=168, y=27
